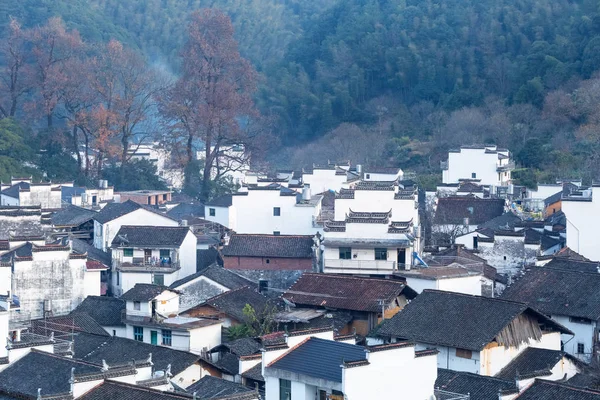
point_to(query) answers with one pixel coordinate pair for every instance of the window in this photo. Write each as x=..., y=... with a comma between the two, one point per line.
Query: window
x=368, y=176
x=166, y=337
x=381, y=254
x=138, y=333
x=504, y=258
x=345, y=253
x=164, y=197
x=473, y=175
x=267, y=261
x=475, y=242
x=127, y=252
x=580, y=320
x=165, y=253
x=212, y=212
x=580, y=348
x=158, y=279
x=137, y=305
x=114, y=332
x=276, y=233
x=276, y=211
x=463, y=353
x=118, y=278
x=285, y=389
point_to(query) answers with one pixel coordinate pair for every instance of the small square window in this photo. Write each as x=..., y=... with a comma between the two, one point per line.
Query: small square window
x=345, y=253
x=276, y=211
x=127, y=252
x=473, y=175
x=276, y=233
x=463, y=353
x=580, y=348
x=138, y=333
x=212, y=212
x=165, y=253
x=381, y=254
x=167, y=338
x=368, y=176
x=137, y=305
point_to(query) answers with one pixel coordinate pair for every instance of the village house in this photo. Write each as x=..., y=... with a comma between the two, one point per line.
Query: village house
x=23, y=192
x=106, y=312
x=364, y=298
x=152, y=316
x=279, y=252
x=87, y=197
x=376, y=230
x=474, y=334
x=109, y=220
x=323, y=178
x=535, y=200
x=569, y=297
x=487, y=165
x=22, y=221
x=474, y=386
x=382, y=174
x=151, y=254
x=236, y=357
x=317, y=366
x=544, y=389
x=582, y=211
x=73, y=221
x=146, y=197
x=453, y=277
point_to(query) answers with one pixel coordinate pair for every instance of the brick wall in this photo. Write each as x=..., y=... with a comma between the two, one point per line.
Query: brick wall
x=268, y=263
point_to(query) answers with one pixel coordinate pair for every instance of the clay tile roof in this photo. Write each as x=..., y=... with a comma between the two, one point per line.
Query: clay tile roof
x=345, y=292
x=283, y=246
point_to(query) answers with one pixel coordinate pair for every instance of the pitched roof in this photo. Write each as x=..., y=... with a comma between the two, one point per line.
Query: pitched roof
x=150, y=236
x=532, y=362
x=254, y=373
x=75, y=321
x=221, y=201
x=144, y=292
x=544, y=390
x=453, y=210
x=558, y=292
x=228, y=363
x=242, y=346
x=119, y=351
x=106, y=311
x=93, y=253
x=319, y=358
x=585, y=379
x=13, y=191
x=210, y=387
x=505, y=221
x=232, y=302
x=345, y=292
x=217, y=274
x=478, y=386
x=115, y=210
x=383, y=170
x=269, y=246
x=114, y=390
x=186, y=210
x=71, y=216
x=456, y=320
x=207, y=257
x=569, y=264
x=42, y=370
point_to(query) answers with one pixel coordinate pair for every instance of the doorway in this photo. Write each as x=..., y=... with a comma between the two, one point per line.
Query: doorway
x=401, y=258
x=147, y=256
x=154, y=337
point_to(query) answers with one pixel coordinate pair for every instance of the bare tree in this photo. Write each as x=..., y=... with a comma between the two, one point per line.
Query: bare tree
x=14, y=74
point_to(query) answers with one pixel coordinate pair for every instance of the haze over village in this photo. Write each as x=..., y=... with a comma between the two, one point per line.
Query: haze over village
x=299, y=200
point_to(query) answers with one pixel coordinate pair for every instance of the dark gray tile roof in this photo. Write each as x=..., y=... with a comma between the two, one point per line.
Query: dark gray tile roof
x=243, y=346
x=453, y=210
x=72, y=216
x=545, y=390
x=42, y=370
x=13, y=191
x=75, y=321
x=143, y=292
x=232, y=302
x=93, y=253
x=105, y=310
x=21, y=251
x=531, y=363
x=150, y=236
x=119, y=351
x=186, y=211
x=319, y=358
x=585, y=379
x=558, y=292
x=255, y=373
x=382, y=170
x=478, y=386
x=207, y=257
x=115, y=210
x=210, y=387
x=269, y=246
x=121, y=391
x=573, y=265
x=345, y=292
x=506, y=221
x=217, y=274
x=221, y=201
x=228, y=363
x=68, y=192
x=456, y=320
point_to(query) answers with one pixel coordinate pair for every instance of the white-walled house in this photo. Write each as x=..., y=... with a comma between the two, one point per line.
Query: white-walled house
x=269, y=210
x=382, y=174
x=569, y=297
x=474, y=334
x=315, y=365
x=487, y=165
x=582, y=210
x=323, y=178
x=23, y=192
x=453, y=278
x=151, y=316
x=109, y=220
x=152, y=254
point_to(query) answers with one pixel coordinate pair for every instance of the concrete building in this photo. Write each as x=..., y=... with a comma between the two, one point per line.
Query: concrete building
x=317, y=366
x=323, y=178
x=146, y=197
x=152, y=316
x=486, y=165
x=453, y=278
x=582, y=211
x=87, y=197
x=114, y=215
x=151, y=254
x=23, y=192
x=473, y=334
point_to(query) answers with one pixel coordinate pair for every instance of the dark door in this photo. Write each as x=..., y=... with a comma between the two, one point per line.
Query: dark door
x=153, y=308
x=475, y=242
x=401, y=258
x=154, y=337
x=147, y=255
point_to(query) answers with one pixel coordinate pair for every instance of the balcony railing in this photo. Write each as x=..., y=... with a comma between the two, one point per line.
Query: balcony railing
x=146, y=265
x=358, y=266
x=506, y=167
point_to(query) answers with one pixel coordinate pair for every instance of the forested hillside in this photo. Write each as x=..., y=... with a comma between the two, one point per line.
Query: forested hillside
x=390, y=82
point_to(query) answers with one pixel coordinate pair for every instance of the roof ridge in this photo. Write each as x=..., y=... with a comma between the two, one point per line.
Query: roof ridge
x=352, y=278
x=289, y=351
x=226, y=292
x=270, y=236
x=563, y=384
x=478, y=297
